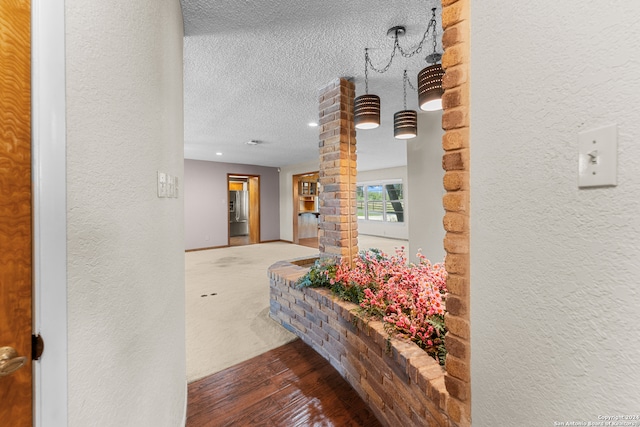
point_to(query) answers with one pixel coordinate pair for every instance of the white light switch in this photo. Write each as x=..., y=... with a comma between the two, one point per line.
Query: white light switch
x=162, y=184
x=170, y=186
x=598, y=157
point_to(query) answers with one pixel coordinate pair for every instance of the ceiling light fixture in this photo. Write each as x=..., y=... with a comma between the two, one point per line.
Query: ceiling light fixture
x=367, y=106
x=430, y=78
x=218, y=154
x=405, y=122
x=313, y=124
x=366, y=110
x=252, y=142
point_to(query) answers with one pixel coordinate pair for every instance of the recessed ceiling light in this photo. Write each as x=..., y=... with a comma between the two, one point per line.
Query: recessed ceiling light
x=313, y=124
x=252, y=142
x=218, y=154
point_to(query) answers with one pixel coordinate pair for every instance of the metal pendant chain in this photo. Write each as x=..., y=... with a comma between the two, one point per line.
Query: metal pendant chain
x=418, y=48
x=406, y=53
x=433, y=57
x=396, y=46
x=404, y=87
x=366, y=70
x=410, y=85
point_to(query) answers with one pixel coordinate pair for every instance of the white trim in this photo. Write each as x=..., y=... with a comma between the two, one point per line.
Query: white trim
x=183, y=423
x=49, y=210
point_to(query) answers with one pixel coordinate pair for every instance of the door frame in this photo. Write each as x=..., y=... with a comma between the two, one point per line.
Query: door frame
x=48, y=146
x=295, y=181
x=253, y=187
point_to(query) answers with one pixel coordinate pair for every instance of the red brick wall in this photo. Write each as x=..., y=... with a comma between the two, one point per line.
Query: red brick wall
x=338, y=222
x=400, y=382
x=455, y=122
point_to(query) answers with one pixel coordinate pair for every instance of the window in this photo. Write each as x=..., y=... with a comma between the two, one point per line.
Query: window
x=380, y=201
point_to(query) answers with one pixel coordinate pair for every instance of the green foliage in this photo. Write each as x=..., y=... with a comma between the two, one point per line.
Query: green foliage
x=354, y=294
x=320, y=275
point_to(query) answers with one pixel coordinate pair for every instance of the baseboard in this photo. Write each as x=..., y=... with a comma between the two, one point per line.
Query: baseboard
x=206, y=249
x=228, y=246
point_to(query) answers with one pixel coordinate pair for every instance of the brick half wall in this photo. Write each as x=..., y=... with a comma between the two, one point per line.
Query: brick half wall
x=401, y=384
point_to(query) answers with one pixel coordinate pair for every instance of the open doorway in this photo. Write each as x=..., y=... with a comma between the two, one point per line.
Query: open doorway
x=244, y=209
x=306, y=209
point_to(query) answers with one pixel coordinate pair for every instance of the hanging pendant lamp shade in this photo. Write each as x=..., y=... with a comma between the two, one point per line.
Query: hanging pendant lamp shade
x=405, y=124
x=430, y=88
x=367, y=111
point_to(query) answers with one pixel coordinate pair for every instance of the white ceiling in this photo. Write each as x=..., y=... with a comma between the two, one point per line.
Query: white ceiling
x=252, y=70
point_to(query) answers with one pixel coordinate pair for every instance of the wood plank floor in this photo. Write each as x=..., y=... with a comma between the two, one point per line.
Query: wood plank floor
x=289, y=386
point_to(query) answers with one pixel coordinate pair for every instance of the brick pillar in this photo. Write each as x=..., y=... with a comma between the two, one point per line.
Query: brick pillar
x=455, y=122
x=338, y=234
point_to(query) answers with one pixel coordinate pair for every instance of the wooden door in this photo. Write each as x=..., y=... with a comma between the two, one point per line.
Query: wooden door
x=296, y=209
x=15, y=211
x=254, y=209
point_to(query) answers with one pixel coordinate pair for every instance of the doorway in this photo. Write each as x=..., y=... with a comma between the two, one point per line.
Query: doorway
x=244, y=209
x=306, y=209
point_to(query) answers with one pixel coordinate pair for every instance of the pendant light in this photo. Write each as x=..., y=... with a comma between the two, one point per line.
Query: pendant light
x=367, y=107
x=430, y=78
x=405, y=122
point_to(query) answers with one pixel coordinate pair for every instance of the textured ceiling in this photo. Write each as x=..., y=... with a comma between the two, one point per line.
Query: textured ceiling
x=252, y=70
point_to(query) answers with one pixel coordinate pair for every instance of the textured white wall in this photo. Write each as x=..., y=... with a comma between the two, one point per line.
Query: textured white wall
x=425, y=173
x=555, y=303
x=126, y=317
x=392, y=230
x=286, y=194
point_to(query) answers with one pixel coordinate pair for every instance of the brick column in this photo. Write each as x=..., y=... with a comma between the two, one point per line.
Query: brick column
x=455, y=122
x=338, y=234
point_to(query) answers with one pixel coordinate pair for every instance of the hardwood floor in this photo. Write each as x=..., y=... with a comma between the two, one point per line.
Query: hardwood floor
x=289, y=386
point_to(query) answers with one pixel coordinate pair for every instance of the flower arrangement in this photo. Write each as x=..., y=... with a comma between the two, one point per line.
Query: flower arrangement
x=409, y=298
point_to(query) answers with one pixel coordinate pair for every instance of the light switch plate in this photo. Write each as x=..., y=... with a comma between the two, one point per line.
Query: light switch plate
x=170, y=186
x=598, y=157
x=162, y=184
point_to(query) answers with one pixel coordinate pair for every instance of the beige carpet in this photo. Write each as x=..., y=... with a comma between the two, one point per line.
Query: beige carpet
x=231, y=323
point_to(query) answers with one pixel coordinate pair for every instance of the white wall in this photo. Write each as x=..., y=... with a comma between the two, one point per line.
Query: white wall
x=206, y=202
x=393, y=230
x=555, y=270
x=424, y=184
x=126, y=334
x=286, y=194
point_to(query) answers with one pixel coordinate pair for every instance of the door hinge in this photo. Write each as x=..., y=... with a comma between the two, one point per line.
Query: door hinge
x=37, y=347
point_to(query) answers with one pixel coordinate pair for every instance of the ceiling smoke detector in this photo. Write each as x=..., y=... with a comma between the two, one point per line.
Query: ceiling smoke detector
x=252, y=142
